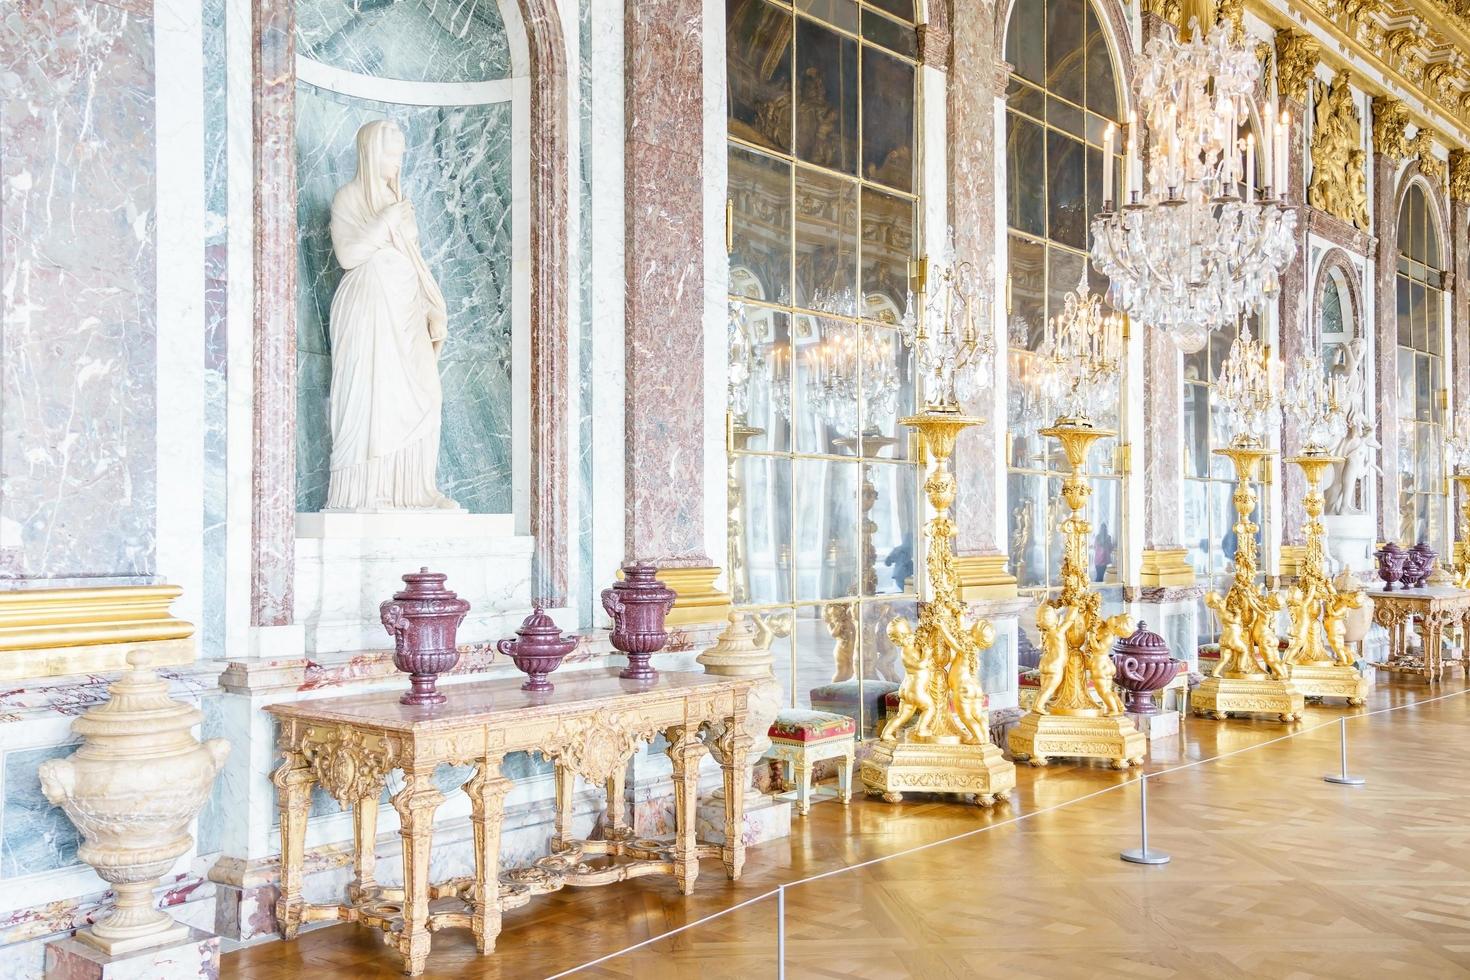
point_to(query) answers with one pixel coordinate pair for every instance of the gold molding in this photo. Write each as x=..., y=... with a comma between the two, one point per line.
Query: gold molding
x=1390, y=119
x=985, y=577
x=1339, y=166
x=1297, y=54
x=1422, y=146
x=1162, y=567
x=55, y=632
x=698, y=600
x=1460, y=175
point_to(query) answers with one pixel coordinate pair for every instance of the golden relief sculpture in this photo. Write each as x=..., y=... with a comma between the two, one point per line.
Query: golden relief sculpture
x=1297, y=53
x=1169, y=11
x=1462, y=575
x=1077, y=713
x=939, y=741
x=1422, y=146
x=1339, y=164
x=1316, y=652
x=1390, y=119
x=1460, y=175
x=1250, y=677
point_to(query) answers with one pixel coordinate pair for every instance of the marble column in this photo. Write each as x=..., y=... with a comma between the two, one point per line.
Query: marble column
x=273, y=517
x=664, y=298
x=1389, y=147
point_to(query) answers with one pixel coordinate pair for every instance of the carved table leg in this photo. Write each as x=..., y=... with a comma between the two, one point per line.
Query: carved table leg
x=486, y=790
x=293, y=779
x=566, y=785
x=365, y=859
x=617, y=821
x=685, y=752
x=1431, y=633
x=734, y=750
x=416, y=804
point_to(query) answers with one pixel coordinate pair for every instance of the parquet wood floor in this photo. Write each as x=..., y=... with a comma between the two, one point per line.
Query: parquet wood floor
x=1275, y=874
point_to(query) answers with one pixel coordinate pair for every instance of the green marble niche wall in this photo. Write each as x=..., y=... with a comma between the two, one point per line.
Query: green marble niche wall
x=457, y=172
x=411, y=40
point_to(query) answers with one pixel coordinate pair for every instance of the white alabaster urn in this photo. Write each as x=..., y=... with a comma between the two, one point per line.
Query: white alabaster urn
x=739, y=652
x=132, y=790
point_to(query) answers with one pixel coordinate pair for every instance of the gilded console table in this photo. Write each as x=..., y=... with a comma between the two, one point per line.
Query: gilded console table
x=590, y=726
x=1433, y=608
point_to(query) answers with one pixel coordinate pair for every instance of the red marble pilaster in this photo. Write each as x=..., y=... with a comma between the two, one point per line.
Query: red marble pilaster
x=1385, y=223
x=664, y=298
x=1291, y=309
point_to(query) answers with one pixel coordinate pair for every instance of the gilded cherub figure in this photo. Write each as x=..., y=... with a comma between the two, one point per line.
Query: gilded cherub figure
x=1054, y=627
x=1097, y=649
x=965, y=692
x=914, y=697
x=1234, y=650
x=1265, y=643
x=1334, y=622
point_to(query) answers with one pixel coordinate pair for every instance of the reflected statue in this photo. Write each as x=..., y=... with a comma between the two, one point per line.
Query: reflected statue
x=388, y=326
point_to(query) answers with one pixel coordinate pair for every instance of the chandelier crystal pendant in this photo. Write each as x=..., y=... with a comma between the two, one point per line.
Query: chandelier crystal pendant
x=1310, y=401
x=1191, y=248
x=948, y=329
x=1081, y=356
x=1249, y=381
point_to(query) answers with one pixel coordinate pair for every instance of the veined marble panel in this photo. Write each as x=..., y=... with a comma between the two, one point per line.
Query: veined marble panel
x=412, y=40
x=457, y=172
x=34, y=835
x=78, y=291
x=216, y=336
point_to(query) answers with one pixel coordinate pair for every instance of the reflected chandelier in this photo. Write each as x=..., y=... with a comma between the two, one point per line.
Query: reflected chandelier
x=1081, y=355
x=1312, y=404
x=955, y=357
x=1249, y=380
x=1191, y=248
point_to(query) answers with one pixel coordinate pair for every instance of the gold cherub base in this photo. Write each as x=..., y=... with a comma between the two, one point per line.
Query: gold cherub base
x=1254, y=694
x=1040, y=738
x=906, y=766
x=1330, y=680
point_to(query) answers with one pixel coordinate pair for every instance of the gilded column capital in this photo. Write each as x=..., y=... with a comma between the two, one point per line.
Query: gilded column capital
x=1390, y=116
x=1297, y=54
x=1166, y=10
x=1460, y=175
x=1422, y=146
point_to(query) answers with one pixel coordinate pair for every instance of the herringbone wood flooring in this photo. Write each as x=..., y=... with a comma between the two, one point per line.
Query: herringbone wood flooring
x=1275, y=874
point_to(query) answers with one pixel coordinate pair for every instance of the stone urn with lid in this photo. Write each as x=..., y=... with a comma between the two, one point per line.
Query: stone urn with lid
x=1391, y=559
x=638, y=604
x=538, y=648
x=1422, y=558
x=739, y=652
x=423, y=620
x=1144, y=666
x=132, y=790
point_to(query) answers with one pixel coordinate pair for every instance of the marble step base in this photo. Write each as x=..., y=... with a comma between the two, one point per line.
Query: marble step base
x=194, y=955
x=1156, y=724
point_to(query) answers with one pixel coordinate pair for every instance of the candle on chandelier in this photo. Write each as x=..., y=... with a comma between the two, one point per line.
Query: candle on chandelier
x=1250, y=167
x=1281, y=153
x=1131, y=161
x=1107, y=168
x=1268, y=156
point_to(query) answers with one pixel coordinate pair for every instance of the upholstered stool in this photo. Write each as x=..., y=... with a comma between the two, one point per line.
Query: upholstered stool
x=847, y=697
x=800, y=739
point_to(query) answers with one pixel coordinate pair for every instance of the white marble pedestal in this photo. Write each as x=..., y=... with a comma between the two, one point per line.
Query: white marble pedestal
x=1350, y=541
x=197, y=955
x=766, y=818
x=349, y=562
x=1156, y=725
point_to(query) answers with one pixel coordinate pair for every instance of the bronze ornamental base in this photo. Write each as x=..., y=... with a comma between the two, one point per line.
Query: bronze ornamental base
x=1330, y=680
x=1041, y=738
x=1259, y=694
x=895, y=768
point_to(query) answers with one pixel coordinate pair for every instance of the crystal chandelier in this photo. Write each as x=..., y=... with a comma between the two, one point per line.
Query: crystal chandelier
x=1191, y=249
x=955, y=358
x=1311, y=402
x=1247, y=387
x=1457, y=446
x=1080, y=355
x=840, y=370
x=741, y=365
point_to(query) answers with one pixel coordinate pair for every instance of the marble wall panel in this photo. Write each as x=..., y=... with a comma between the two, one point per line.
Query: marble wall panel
x=413, y=40
x=35, y=836
x=77, y=263
x=216, y=338
x=457, y=172
x=585, y=608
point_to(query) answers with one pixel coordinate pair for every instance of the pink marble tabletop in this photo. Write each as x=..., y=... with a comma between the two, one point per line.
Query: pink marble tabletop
x=1428, y=592
x=499, y=698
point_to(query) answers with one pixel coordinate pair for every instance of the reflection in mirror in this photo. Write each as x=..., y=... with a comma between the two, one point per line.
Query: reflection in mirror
x=760, y=202
x=762, y=509
x=826, y=528
x=826, y=243
x=826, y=97
x=758, y=60
x=759, y=377
x=888, y=119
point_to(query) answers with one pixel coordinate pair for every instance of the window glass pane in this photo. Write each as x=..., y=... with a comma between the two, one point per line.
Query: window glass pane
x=826, y=528
x=889, y=557
x=888, y=246
x=1027, y=321
x=1024, y=40
x=758, y=60
x=760, y=197
x=1433, y=323
x=826, y=384
x=1406, y=396
x=760, y=379
x=1417, y=314
x=1423, y=396
x=893, y=36
x=826, y=97
x=899, y=8
x=1065, y=203
x=1065, y=24
x=1021, y=97
x=1102, y=91
x=826, y=242
x=1405, y=319
x=888, y=120
x=1025, y=175
x=764, y=512
x=1064, y=116
x=1429, y=252
x=839, y=13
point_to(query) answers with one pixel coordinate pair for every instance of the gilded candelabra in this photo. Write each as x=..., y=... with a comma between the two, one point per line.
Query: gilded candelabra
x=1077, y=712
x=1462, y=576
x=1457, y=457
x=1250, y=677
x=939, y=741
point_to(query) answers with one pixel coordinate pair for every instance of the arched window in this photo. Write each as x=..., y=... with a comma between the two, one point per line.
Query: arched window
x=1062, y=94
x=823, y=217
x=1419, y=291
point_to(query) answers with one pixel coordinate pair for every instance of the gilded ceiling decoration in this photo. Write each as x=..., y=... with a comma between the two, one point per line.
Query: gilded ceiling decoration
x=1339, y=164
x=1296, y=59
x=1460, y=175
x=1390, y=118
x=1422, y=146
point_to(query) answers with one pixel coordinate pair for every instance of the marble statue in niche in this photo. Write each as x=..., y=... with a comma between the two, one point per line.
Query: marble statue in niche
x=388, y=325
x=1347, y=488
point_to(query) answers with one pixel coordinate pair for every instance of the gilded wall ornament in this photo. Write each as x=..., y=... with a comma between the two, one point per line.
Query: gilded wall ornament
x=1460, y=175
x=1167, y=10
x=1339, y=164
x=1232, y=12
x=1390, y=117
x=1422, y=146
x=1296, y=59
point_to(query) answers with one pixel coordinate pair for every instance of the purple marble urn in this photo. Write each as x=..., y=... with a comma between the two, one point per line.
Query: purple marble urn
x=1144, y=666
x=1421, y=560
x=1391, y=560
x=422, y=619
x=638, y=605
x=537, y=648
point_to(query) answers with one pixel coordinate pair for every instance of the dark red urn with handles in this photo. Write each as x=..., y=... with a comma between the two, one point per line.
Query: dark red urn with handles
x=1144, y=666
x=638, y=605
x=537, y=648
x=423, y=619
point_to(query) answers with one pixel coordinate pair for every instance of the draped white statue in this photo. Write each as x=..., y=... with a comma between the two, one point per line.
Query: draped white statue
x=388, y=325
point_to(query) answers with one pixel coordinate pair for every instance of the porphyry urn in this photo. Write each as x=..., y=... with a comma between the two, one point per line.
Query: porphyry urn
x=537, y=648
x=132, y=790
x=638, y=604
x=1144, y=666
x=423, y=620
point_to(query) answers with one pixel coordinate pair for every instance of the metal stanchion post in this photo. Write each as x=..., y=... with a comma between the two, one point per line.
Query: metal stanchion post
x=1342, y=778
x=1141, y=854
x=781, y=932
